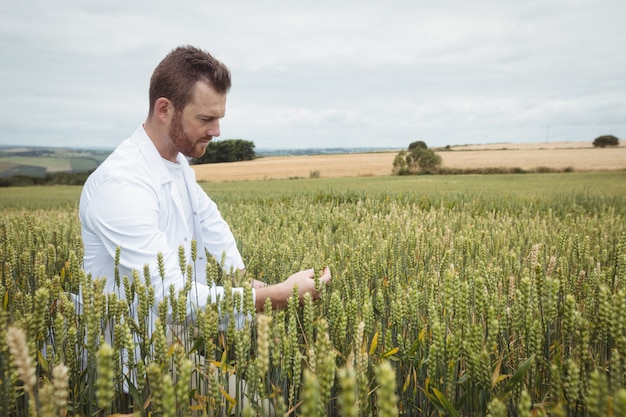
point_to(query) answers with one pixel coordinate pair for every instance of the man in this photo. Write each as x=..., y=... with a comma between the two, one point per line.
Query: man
x=144, y=198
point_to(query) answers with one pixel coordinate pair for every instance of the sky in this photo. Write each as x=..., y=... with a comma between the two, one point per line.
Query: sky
x=320, y=74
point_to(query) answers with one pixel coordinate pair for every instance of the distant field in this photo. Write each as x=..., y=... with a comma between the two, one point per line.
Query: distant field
x=51, y=163
x=37, y=162
x=579, y=156
x=9, y=169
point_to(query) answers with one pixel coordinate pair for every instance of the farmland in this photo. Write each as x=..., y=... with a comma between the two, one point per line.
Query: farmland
x=557, y=156
x=41, y=161
x=456, y=295
x=576, y=156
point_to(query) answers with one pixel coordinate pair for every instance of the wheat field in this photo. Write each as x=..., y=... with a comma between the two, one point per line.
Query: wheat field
x=578, y=156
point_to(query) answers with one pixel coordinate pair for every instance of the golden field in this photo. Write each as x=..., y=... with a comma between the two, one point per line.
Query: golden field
x=579, y=156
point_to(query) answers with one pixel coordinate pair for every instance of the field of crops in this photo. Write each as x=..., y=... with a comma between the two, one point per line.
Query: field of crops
x=501, y=295
x=38, y=162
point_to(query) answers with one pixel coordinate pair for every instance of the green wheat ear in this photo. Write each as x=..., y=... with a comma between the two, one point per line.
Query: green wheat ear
x=620, y=402
x=496, y=408
x=156, y=386
x=311, y=400
x=263, y=344
x=16, y=340
x=105, y=390
x=347, y=396
x=386, y=392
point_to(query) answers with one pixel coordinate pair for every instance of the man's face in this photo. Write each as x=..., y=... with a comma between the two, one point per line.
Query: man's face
x=192, y=129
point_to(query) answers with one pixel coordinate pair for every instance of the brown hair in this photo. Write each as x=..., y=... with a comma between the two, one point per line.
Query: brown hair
x=179, y=71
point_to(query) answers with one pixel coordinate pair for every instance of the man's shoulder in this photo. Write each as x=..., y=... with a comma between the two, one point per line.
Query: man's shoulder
x=126, y=157
x=127, y=163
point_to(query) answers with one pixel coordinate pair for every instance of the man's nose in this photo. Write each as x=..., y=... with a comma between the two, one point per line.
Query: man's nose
x=214, y=129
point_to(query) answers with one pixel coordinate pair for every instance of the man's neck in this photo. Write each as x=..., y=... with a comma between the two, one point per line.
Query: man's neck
x=160, y=141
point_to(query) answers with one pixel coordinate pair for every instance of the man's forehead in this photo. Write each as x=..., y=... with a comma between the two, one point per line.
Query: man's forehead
x=205, y=97
x=202, y=87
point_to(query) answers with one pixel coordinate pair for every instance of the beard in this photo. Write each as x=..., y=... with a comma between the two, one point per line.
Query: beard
x=183, y=143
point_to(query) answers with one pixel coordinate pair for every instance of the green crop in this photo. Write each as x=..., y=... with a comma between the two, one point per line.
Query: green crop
x=445, y=300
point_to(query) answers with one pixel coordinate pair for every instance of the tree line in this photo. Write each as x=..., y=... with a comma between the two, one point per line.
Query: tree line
x=231, y=150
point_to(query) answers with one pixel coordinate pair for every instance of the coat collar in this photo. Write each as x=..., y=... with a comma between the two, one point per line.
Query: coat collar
x=153, y=157
x=157, y=164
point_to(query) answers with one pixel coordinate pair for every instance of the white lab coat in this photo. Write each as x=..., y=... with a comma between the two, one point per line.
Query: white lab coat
x=132, y=201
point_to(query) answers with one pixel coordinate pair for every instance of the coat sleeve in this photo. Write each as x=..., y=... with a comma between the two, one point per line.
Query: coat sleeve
x=216, y=234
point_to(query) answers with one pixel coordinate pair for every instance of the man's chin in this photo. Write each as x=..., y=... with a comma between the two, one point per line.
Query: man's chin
x=195, y=153
x=200, y=150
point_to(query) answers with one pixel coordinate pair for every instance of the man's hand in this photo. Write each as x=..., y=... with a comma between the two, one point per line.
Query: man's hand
x=280, y=293
x=258, y=284
x=305, y=280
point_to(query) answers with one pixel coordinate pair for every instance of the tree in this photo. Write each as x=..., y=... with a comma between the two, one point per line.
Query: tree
x=418, y=159
x=399, y=164
x=229, y=150
x=418, y=144
x=605, y=140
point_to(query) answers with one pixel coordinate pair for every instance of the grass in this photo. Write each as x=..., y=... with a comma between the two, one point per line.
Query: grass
x=40, y=197
x=611, y=184
x=550, y=185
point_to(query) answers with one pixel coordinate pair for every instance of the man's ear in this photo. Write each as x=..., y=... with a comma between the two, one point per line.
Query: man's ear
x=163, y=109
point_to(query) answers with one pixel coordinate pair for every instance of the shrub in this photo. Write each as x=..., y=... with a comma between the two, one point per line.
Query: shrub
x=605, y=140
x=417, y=160
x=399, y=164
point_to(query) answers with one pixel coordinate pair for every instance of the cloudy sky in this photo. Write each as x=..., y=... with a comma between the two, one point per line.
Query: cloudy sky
x=337, y=73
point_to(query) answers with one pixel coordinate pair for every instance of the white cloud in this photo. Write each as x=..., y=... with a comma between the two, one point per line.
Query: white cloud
x=327, y=73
